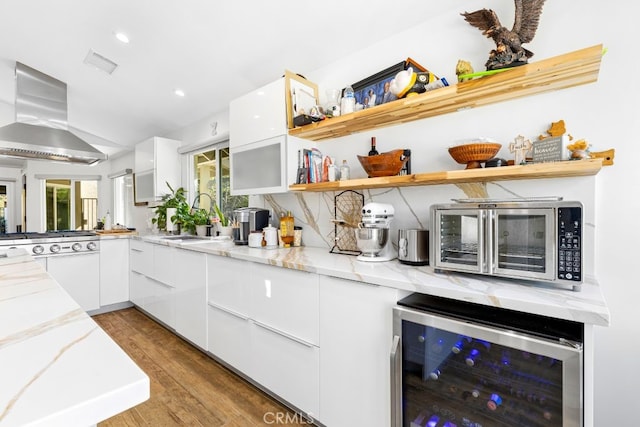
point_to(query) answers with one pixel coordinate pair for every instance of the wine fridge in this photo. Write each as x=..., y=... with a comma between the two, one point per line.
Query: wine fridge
x=459, y=364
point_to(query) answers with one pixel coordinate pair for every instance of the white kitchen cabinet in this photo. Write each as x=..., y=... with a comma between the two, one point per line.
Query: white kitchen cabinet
x=260, y=114
x=258, y=136
x=355, y=337
x=78, y=274
x=114, y=271
x=139, y=289
x=165, y=268
x=160, y=302
x=141, y=257
x=263, y=321
x=156, y=162
x=228, y=312
x=288, y=367
x=190, y=296
x=287, y=300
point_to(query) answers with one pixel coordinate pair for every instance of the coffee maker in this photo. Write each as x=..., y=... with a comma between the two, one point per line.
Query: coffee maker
x=372, y=234
x=249, y=219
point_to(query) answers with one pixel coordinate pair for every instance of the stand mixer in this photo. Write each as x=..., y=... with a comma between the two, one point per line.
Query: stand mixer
x=372, y=234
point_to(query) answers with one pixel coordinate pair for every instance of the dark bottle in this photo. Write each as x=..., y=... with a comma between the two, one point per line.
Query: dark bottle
x=373, y=151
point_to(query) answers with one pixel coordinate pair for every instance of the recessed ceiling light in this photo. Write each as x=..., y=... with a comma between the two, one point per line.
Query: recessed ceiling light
x=122, y=37
x=179, y=92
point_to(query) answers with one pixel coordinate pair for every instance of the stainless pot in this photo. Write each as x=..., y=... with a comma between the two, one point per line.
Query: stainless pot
x=413, y=246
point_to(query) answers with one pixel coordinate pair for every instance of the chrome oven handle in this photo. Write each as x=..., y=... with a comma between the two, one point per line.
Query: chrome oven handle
x=482, y=231
x=396, y=392
x=491, y=251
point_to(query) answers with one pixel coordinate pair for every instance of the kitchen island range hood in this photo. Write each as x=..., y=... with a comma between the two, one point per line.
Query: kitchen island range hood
x=40, y=130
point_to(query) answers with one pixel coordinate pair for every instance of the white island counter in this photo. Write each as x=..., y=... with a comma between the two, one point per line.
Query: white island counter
x=57, y=366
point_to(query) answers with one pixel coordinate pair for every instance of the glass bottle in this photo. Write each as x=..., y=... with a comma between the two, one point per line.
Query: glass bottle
x=345, y=172
x=107, y=222
x=373, y=151
x=286, y=229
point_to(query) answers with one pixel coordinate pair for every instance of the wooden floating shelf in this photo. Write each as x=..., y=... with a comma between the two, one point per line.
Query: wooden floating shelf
x=564, y=169
x=560, y=72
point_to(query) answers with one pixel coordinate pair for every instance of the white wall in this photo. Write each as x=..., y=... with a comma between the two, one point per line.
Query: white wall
x=605, y=113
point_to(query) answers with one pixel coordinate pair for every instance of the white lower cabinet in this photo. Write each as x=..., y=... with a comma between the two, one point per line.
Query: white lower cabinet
x=139, y=289
x=159, y=303
x=114, y=271
x=287, y=366
x=190, y=296
x=263, y=321
x=355, y=338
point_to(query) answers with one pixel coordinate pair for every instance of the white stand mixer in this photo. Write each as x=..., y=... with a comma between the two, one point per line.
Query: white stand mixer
x=372, y=234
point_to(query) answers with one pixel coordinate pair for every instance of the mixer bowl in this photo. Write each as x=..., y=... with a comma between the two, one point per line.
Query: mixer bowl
x=371, y=240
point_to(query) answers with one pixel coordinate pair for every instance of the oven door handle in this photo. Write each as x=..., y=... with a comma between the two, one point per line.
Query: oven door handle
x=396, y=384
x=490, y=258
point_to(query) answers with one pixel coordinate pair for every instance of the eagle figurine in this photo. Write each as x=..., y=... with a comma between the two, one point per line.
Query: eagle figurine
x=509, y=51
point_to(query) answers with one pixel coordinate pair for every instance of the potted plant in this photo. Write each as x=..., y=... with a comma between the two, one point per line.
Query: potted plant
x=200, y=219
x=173, y=211
x=223, y=221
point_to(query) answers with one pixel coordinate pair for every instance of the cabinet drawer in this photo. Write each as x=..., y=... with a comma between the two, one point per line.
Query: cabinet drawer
x=228, y=338
x=227, y=283
x=141, y=259
x=165, y=269
x=160, y=302
x=287, y=300
x=287, y=367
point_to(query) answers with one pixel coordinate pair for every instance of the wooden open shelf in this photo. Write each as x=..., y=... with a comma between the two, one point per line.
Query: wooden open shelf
x=532, y=171
x=564, y=71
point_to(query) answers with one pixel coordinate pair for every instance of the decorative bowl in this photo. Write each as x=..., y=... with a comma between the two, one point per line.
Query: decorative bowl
x=474, y=154
x=384, y=164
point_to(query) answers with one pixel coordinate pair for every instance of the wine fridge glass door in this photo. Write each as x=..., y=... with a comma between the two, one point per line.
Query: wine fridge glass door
x=452, y=373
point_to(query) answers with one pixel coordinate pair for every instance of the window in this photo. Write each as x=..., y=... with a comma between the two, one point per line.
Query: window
x=71, y=204
x=211, y=176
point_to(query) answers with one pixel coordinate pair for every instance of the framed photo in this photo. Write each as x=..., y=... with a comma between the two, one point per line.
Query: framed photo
x=374, y=90
x=301, y=96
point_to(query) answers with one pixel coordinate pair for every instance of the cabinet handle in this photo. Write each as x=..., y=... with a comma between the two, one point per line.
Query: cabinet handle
x=166, y=285
x=395, y=383
x=227, y=310
x=284, y=334
x=136, y=250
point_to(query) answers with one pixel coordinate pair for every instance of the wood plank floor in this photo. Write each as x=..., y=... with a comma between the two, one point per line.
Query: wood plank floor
x=188, y=388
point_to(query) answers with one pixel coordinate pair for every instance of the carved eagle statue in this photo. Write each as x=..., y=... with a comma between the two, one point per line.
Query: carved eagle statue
x=509, y=51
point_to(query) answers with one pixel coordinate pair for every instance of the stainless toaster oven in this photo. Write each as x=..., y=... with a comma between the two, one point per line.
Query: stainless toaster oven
x=537, y=240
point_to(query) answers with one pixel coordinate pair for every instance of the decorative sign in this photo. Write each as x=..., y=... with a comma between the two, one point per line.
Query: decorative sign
x=550, y=149
x=520, y=146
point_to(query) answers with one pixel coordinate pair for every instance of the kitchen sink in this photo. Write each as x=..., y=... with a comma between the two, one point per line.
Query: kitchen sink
x=187, y=237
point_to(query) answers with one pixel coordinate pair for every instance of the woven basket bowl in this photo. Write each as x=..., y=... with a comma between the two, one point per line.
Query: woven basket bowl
x=473, y=155
x=384, y=164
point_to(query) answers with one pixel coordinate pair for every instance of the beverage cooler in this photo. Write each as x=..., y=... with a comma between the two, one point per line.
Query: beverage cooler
x=458, y=364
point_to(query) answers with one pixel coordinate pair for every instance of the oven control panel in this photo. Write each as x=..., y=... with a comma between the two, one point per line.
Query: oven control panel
x=570, y=244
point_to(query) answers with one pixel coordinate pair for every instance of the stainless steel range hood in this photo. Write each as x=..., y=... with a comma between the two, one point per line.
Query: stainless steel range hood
x=40, y=130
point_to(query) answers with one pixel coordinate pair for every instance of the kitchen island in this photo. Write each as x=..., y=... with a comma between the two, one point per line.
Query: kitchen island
x=58, y=367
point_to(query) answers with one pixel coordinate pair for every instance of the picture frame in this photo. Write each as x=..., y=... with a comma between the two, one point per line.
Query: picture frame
x=375, y=84
x=301, y=96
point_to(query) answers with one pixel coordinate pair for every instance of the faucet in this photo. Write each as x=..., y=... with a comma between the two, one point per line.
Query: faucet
x=196, y=202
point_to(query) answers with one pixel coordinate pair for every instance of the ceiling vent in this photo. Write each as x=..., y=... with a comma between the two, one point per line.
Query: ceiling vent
x=100, y=62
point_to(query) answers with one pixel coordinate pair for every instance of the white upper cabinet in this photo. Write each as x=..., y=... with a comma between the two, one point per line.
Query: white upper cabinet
x=156, y=162
x=258, y=115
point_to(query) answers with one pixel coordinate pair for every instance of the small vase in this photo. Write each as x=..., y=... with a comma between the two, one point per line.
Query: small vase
x=201, y=230
x=225, y=230
x=171, y=226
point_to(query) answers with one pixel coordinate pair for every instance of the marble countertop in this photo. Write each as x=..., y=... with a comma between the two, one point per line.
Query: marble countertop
x=57, y=366
x=587, y=306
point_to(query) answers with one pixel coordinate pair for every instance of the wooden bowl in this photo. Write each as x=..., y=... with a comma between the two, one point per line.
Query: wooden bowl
x=474, y=154
x=384, y=164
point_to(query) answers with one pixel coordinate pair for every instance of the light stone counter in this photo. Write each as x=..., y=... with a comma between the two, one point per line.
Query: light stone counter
x=587, y=306
x=57, y=366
